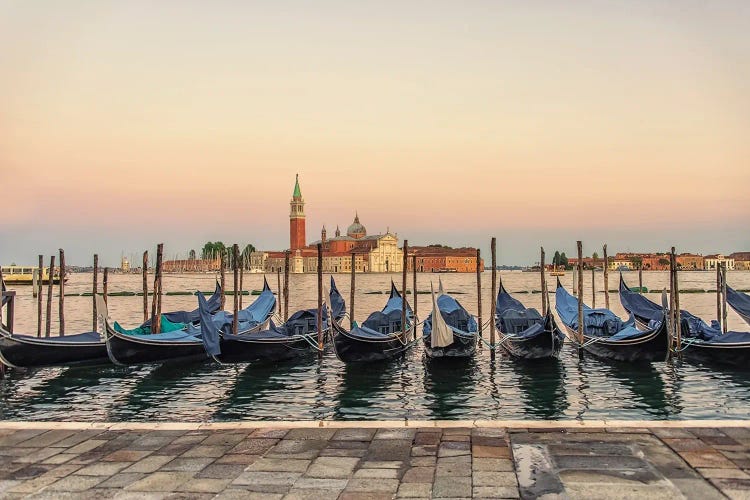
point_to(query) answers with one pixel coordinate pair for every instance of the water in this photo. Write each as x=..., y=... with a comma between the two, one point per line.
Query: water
x=411, y=387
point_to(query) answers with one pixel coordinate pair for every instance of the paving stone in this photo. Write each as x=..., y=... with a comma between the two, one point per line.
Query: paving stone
x=75, y=483
x=697, y=488
x=354, y=435
x=490, y=464
x=150, y=464
x=488, y=432
x=269, y=433
x=315, y=483
x=103, y=468
x=382, y=464
x=126, y=455
x=60, y=458
x=377, y=473
x=622, y=492
x=480, y=451
x=332, y=467
x=121, y=480
x=389, y=449
x=173, y=449
x=150, y=442
x=86, y=446
x=254, y=446
x=612, y=476
x=424, y=451
x=706, y=432
x=671, y=432
x=297, y=448
x=706, y=459
x=598, y=462
x=279, y=465
x=422, y=438
x=190, y=464
x=31, y=486
x=494, y=478
x=48, y=438
x=342, y=452
x=683, y=444
x=460, y=431
x=367, y=495
x=723, y=473
x=451, y=487
x=161, y=481
x=453, y=449
x=422, y=461
x=372, y=485
x=38, y=455
x=225, y=438
x=221, y=471
x=419, y=475
x=400, y=433
x=29, y=471
x=240, y=494
x=576, y=448
x=495, y=492
x=205, y=485
x=311, y=433
x=254, y=478
x=453, y=470
x=488, y=441
x=19, y=436
x=206, y=451
x=309, y=494
x=414, y=490
x=237, y=458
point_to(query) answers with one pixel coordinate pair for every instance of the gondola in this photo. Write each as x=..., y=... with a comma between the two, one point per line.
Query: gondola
x=379, y=337
x=740, y=302
x=81, y=349
x=451, y=335
x=297, y=337
x=607, y=336
x=186, y=344
x=524, y=333
x=701, y=342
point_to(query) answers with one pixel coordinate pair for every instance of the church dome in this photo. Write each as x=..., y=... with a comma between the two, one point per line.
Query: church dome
x=356, y=230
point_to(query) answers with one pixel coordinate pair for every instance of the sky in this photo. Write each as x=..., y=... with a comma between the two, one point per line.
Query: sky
x=126, y=124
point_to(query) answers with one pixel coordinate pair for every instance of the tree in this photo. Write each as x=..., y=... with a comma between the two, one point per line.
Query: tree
x=564, y=261
x=663, y=261
x=249, y=248
x=556, y=259
x=191, y=255
x=595, y=256
x=637, y=262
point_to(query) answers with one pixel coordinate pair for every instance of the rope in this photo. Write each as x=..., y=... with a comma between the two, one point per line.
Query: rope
x=489, y=346
x=688, y=343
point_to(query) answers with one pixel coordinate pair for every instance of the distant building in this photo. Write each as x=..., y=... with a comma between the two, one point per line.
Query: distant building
x=741, y=261
x=712, y=261
x=690, y=261
x=191, y=265
x=443, y=259
x=124, y=265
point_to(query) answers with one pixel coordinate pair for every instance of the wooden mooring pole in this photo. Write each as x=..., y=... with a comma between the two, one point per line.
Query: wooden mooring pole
x=593, y=288
x=640, y=279
x=414, y=285
x=724, y=326
x=580, y=293
x=543, y=284
x=94, y=291
x=479, y=293
x=718, y=293
x=236, y=277
x=678, y=315
x=351, y=295
x=61, y=299
x=403, y=289
x=320, y=300
x=50, y=286
x=286, y=285
x=606, y=277
x=223, y=279
x=279, y=293
x=156, y=301
x=40, y=279
x=672, y=310
x=105, y=285
x=242, y=279
x=493, y=288
x=145, y=286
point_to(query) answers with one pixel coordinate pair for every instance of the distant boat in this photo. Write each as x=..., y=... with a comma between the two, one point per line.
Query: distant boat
x=454, y=333
x=380, y=336
x=557, y=272
x=445, y=270
x=24, y=275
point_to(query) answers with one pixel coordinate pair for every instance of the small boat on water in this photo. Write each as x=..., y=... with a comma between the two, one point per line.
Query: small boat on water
x=298, y=336
x=380, y=336
x=740, y=302
x=607, y=336
x=452, y=332
x=524, y=333
x=702, y=342
x=185, y=343
x=28, y=275
x=87, y=348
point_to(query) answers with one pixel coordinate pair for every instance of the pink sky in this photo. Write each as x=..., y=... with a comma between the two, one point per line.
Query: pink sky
x=123, y=123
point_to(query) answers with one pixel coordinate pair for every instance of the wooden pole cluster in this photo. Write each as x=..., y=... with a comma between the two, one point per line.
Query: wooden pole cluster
x=575, y=282
x=403, y=289
x=61, y=299
x=320, y=300
x=50, y=285
x=479, y=293
x=40, y=273
x=351, y=295
x=414, y=285
x=606, y=277
x=580, y=292
x=724, y=326
x=236, y=310
x=156, y=300
x=145, y=286
x=286, y=285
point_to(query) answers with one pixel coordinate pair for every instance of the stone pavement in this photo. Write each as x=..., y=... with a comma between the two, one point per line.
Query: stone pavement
x=247, y=461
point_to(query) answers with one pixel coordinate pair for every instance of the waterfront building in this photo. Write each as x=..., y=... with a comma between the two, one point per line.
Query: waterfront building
x=124, y=265
x=444, y=259
x=712, y=261
x=690, y=261
x=191, y=265
x=741, y=261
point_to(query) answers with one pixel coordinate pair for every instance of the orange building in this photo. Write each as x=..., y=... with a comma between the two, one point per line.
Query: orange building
x=443, y=259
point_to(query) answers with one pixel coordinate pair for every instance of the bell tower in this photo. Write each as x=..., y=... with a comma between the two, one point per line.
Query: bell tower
x=297, y=219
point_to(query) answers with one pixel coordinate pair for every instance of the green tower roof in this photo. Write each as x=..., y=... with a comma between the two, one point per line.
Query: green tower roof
x=297, y=192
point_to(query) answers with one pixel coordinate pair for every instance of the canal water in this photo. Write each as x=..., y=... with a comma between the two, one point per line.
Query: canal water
x=411, y=387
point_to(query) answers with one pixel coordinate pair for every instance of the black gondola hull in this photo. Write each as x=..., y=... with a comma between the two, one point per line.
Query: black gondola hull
x=546, y=345
x=129, y=350
x=737, y=355
x=353, y=350
x=652, y=346
x=235, y=351
x=28, y=352
x=459, y=348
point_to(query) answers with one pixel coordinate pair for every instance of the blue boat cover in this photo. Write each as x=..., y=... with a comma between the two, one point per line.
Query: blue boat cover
x=338, y=305
x=386, y=322
x=693, y=327
x=512, y=318
x=185, y=317
x=740, y=302
x=78, y=338
x=456, y=317
x=596, y=322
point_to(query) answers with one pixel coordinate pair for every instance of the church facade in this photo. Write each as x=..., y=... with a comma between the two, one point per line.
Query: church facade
x=377, y=253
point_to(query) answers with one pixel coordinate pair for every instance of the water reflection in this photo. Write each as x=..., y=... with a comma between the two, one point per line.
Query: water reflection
x=363, y=389
x=448, y=385
x=542, y=385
